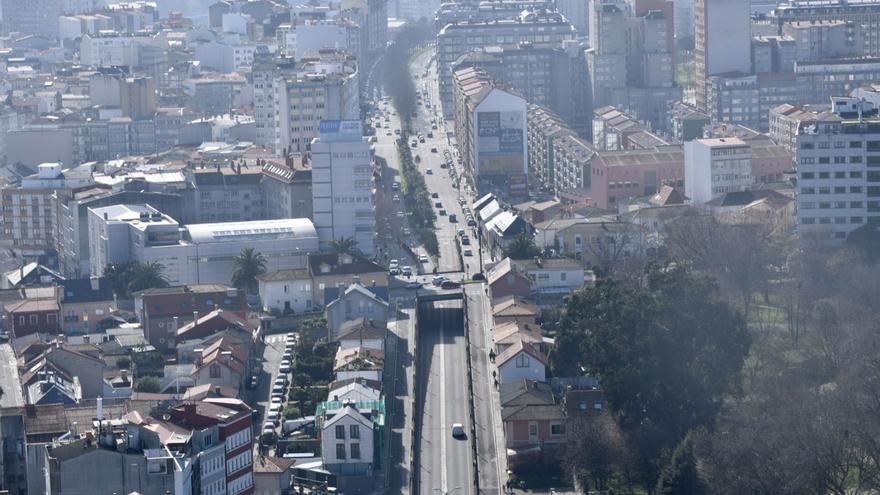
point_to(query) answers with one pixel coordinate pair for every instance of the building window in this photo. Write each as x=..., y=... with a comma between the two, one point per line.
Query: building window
x=340, y=432
x=214, y=371
x=522, y=360
x=533, y=429
x=354, y=431
x=355, y=451
x=557, y=429
x=340, y=451
x=34, y=319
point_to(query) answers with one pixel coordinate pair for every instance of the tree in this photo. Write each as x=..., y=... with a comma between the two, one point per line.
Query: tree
x=344, y=245
x=247, y=266
x=680, y=476
x=522, y=247
x=148, y=384
x=123, y=363
x=595, y=450
x=667, y=354
x=133, y=276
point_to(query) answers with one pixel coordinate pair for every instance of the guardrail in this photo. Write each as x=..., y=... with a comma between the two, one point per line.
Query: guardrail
x=415, y=434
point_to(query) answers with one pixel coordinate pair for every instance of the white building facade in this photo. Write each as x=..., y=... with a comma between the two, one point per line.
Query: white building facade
x=713, y=167
x=342, y=185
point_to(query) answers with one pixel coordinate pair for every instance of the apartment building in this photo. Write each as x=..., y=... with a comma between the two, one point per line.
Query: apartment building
x=531, y=26
x=287, y=188
x=614, y=130
x=490, y=124
x=819, y=81
x=545, y=74
x=864, y=13
x=573, y=158
x=31, y=17
x=825, y=39
x=722, y=40
x=837, y=151
x=324, y=87
x=342, y=185
x=714, y=167
x=746, y=99
x=224, y=193
x=28, y=212
x=544, y=128
x=265, y=71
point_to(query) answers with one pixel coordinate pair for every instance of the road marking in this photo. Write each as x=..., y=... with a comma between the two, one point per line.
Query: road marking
x=443, y=473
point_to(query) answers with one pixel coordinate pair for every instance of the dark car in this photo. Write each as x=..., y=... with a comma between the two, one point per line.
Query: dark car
x=450, y=284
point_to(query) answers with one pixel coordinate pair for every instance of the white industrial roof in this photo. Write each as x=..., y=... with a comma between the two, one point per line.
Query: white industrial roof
x=288, y=228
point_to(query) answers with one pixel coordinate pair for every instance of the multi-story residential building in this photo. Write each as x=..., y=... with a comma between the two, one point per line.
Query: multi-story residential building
x=746, y=99
x=865, y=13
x=224, y=193
x=458, y=11
x=686, y=122
x=31, y=17
x=722, y=37
x=162, y=311
x=490, y=124
x=572, y=160
x=684, y=19
x=786, y=121
x=324, y=87
x=454, y=40
x=349, y=436
x=265, y=71
x=545, y=74
x=825, y=39
x=312, y=36
x=230, y=54
x=342, y=185
x=413, y=10
x=713, y=167
x=609, y=47
x=615, y=130
x=233, y=420
x=544, y=128
x=819, y=81
x=135, y=50
x=28, y=213
x=71, y=226
x=287, y=188
x=619, y=175
x=577, y=14
x=197, y=253
x=837, y=151
x=214, y=95
x=773, y=54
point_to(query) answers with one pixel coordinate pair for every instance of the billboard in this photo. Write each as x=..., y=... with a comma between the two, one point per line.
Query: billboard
x=500, y=143
x=340, y=130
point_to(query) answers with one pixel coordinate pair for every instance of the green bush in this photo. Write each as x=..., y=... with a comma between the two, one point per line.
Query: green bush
x=148, y=384
x=292, y=412
x=123, y=363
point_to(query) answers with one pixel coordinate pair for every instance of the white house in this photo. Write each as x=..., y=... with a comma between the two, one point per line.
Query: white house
x=347, y=443
x=353, y=391
x=359, y=362
x=552, y=276
x=521, y=361
x=286, y=290
x=362, y=332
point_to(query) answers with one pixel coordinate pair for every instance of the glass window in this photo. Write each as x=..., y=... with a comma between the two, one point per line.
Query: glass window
x=340, y=431
x=354, y=431
x=355, y=451
x=340, y=451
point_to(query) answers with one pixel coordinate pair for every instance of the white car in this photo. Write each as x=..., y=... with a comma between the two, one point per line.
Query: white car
x=407, y=270
x=423, y=259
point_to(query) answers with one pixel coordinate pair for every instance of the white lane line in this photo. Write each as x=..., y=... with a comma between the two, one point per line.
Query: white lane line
x=443, y=473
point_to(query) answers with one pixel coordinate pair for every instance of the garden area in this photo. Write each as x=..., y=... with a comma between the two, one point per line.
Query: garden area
x=312, y=373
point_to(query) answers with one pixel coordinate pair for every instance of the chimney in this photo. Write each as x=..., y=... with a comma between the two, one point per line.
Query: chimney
x=195, y=316
x=99, y=415
x=95, y=283
x=124, y=375
x=176, y=323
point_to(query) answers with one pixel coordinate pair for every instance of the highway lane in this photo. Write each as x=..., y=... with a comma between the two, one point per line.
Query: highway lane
x=445, y=462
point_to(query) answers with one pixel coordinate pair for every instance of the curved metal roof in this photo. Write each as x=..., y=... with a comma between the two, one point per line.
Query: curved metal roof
x=258, y=230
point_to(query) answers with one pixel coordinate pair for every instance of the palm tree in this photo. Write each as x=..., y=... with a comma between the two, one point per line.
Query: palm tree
x=344, y=245
x=247, y=267
x=147, y=276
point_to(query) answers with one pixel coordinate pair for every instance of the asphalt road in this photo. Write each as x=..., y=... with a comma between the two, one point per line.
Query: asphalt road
x=445, y=462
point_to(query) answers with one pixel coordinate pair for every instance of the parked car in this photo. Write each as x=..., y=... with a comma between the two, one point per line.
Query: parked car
x=458, y=430
x=433, y=150
x=438, y=280
x=450, y=284
x=472, y=222
x=413, y=285
x=465, y=240
x=438, y=204
x=468, y=252
x=429, y=172
x=453, y=218
x=423, y=258
x=442, y=213
x=407, y=270
x=435, y=195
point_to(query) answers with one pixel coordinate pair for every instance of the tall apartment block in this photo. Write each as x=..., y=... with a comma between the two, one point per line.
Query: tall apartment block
x=31, y=17
x=322, y=88
x=713, y=167
x=722, y=41
x=838, y=168
x=342, y=185
x=531, y=26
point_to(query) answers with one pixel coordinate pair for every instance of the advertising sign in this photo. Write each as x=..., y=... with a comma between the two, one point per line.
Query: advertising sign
x=500, y=143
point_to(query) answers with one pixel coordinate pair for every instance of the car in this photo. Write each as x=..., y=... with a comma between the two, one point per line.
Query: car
x=278, y=389
x=433, y=150
x=423, y=258
x=472, y=222
x=387, y=133
x=461, y=232
x=281, y=380
x=414, y=144
x=406, y=231
x=442, y=213
x=435, y=195
x=443, y=165
x=431, y=134
x=434, y=126
x=395, y=185
x=407, y=270
x=400, y=214
x=453, y=218
x=478, y=276
x=394, y=263
x=468, y=252
x=465, y=240
x=413, y=285
x=450, y=284
x=254, y=381
x=429, y=171
x=394, y=271
x=284, y=368
x=277, y=399
x=397, y=131
x=458, y=430
x=438, y=280
x=396, y=199
x=438, y=204
x=421, y=139
x=273, y=417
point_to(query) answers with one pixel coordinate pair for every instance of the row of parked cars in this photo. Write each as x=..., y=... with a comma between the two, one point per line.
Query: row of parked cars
x=278, y=395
